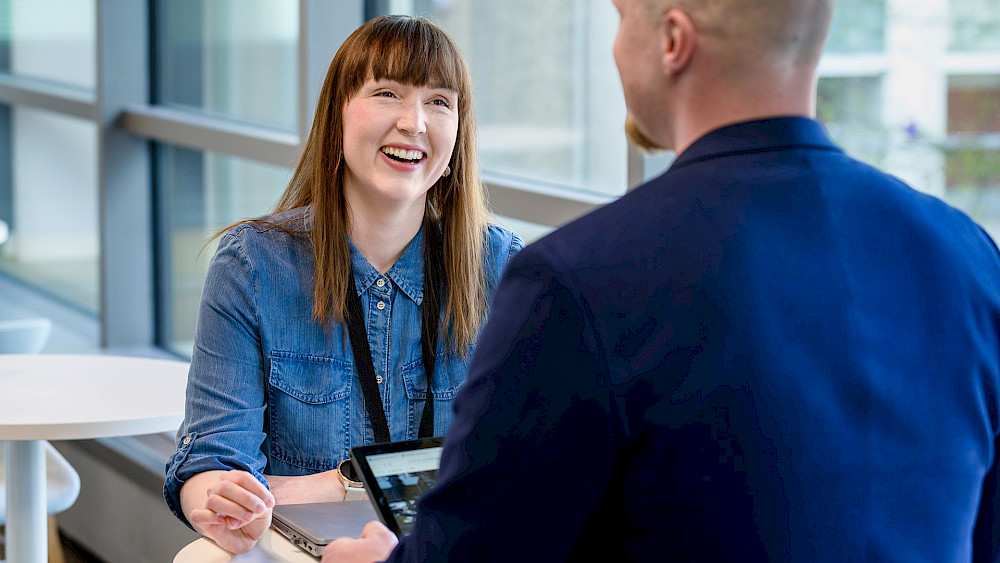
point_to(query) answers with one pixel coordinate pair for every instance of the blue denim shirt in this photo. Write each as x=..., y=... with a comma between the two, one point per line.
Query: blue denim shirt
x=271, y=391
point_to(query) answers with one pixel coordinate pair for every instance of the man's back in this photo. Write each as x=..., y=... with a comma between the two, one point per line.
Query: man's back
x=804, y=351
x=795, y=357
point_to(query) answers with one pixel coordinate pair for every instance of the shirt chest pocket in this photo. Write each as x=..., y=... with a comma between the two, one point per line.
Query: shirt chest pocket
x=449, y=374
x=309, y=409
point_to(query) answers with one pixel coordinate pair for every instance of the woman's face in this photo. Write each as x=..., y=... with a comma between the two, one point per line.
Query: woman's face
x=398, y=139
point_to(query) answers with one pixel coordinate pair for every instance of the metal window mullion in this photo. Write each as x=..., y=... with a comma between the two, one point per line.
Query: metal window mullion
x=124, y=178
x=18, y=90
x=6, y=136
x=550, y=207
x=198, y=131
x=323, y=26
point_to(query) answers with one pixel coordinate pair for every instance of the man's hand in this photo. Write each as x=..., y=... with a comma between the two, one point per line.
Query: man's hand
x=375, y=544
x=235, y=512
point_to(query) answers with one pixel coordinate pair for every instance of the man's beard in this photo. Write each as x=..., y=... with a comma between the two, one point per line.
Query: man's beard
x=639, y=138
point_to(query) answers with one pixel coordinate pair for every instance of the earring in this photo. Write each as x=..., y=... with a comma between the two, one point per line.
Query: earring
x=447, y=172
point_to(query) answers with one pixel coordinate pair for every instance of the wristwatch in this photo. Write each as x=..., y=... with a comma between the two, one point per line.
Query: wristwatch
x=355, y=489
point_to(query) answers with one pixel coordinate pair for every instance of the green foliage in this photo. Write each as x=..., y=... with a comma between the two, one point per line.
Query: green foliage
x=973, y=168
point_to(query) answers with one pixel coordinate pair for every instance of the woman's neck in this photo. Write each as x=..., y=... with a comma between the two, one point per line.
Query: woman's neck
x=382, y=234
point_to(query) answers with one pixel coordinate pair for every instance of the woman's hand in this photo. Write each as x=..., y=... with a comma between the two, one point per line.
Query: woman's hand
x=232, y=508
x=318, y=487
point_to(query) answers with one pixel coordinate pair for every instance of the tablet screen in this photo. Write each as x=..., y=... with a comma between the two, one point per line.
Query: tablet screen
x=396, y=475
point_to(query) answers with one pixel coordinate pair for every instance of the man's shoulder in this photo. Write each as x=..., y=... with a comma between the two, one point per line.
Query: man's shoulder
x=652, y=206
x=608, y=237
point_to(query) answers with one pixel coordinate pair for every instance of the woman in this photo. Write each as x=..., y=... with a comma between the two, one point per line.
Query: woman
x=314, y=320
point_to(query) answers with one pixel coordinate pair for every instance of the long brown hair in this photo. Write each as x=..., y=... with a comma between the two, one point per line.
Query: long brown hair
x=411, y=51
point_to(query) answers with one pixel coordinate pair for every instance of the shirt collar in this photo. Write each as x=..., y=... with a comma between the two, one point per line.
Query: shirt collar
x=757, y=136
x=407, y=273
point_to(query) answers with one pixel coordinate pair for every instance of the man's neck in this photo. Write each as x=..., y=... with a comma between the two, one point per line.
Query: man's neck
x=712, y=107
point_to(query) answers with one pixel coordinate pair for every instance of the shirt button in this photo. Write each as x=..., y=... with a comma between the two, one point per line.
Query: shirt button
x=378, y=379
x=187, y=440
x=380, y=305
x=380, y=282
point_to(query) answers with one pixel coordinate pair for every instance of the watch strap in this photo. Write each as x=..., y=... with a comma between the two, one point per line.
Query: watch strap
x=354, y=492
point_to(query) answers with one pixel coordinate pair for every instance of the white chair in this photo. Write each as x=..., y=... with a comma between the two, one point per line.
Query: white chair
x=24, y=336
x=62, y=483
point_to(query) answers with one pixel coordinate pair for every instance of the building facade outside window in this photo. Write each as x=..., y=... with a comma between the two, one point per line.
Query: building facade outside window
x=48, y=160
x=235, y=60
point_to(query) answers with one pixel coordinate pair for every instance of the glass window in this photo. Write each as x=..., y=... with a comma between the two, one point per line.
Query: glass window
x=851, y=108
x=974, y=104
x=654, y=164
x=198, y=194
x=904, y=113
x=975, y=25
x=528, y=231
x=882, y=84
x=549, y=105
x=972, y=165
x=235, y=58
x=51, y=40
x=858, y=26
x=51, y=210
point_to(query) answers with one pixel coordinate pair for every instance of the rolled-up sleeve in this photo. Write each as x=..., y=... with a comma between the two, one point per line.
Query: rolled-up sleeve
x=224, y=418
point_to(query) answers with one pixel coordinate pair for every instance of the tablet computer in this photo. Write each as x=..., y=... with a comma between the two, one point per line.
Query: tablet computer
x=395, y=475
x=311, y=526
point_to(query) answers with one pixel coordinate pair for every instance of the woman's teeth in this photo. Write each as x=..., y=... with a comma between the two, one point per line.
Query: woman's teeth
x=402, y=154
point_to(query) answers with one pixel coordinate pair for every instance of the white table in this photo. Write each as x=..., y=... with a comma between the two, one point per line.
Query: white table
x=65, y=397
x=272, y=548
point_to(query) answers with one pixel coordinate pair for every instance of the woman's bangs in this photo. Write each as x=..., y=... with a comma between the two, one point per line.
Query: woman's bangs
x=421, y=58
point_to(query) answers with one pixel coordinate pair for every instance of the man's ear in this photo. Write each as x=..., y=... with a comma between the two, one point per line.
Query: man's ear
x=679, y=39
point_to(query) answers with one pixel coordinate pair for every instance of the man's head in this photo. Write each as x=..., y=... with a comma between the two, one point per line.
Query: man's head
x=685, y=64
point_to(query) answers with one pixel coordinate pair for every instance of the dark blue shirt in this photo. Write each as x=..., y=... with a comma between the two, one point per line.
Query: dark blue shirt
x=773, y=352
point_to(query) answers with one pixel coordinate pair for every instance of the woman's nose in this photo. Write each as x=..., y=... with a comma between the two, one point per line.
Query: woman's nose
x=412, y=119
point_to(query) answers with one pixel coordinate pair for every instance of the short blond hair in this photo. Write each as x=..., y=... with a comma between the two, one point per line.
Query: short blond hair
x=792, y=30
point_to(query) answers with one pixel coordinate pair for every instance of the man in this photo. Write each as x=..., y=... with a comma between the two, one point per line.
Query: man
x=770, y=353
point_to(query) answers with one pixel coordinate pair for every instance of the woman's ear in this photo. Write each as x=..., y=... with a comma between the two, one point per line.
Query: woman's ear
x=679, y=38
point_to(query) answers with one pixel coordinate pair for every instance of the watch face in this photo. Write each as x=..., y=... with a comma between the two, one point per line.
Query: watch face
x=347, y=471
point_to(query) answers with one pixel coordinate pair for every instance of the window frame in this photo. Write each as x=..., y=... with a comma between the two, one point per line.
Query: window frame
x=129, y=124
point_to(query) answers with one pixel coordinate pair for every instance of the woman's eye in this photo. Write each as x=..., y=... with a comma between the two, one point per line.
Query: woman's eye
x=385, y=94
x=442, y=103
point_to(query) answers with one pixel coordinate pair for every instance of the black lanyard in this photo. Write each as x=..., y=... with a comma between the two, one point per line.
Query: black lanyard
x=430, y=317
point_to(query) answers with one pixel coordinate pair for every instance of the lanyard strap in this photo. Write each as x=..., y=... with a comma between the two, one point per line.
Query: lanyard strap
x=430, y=317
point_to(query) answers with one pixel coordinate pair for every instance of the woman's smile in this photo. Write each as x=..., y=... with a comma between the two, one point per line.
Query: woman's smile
x=398, y=141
